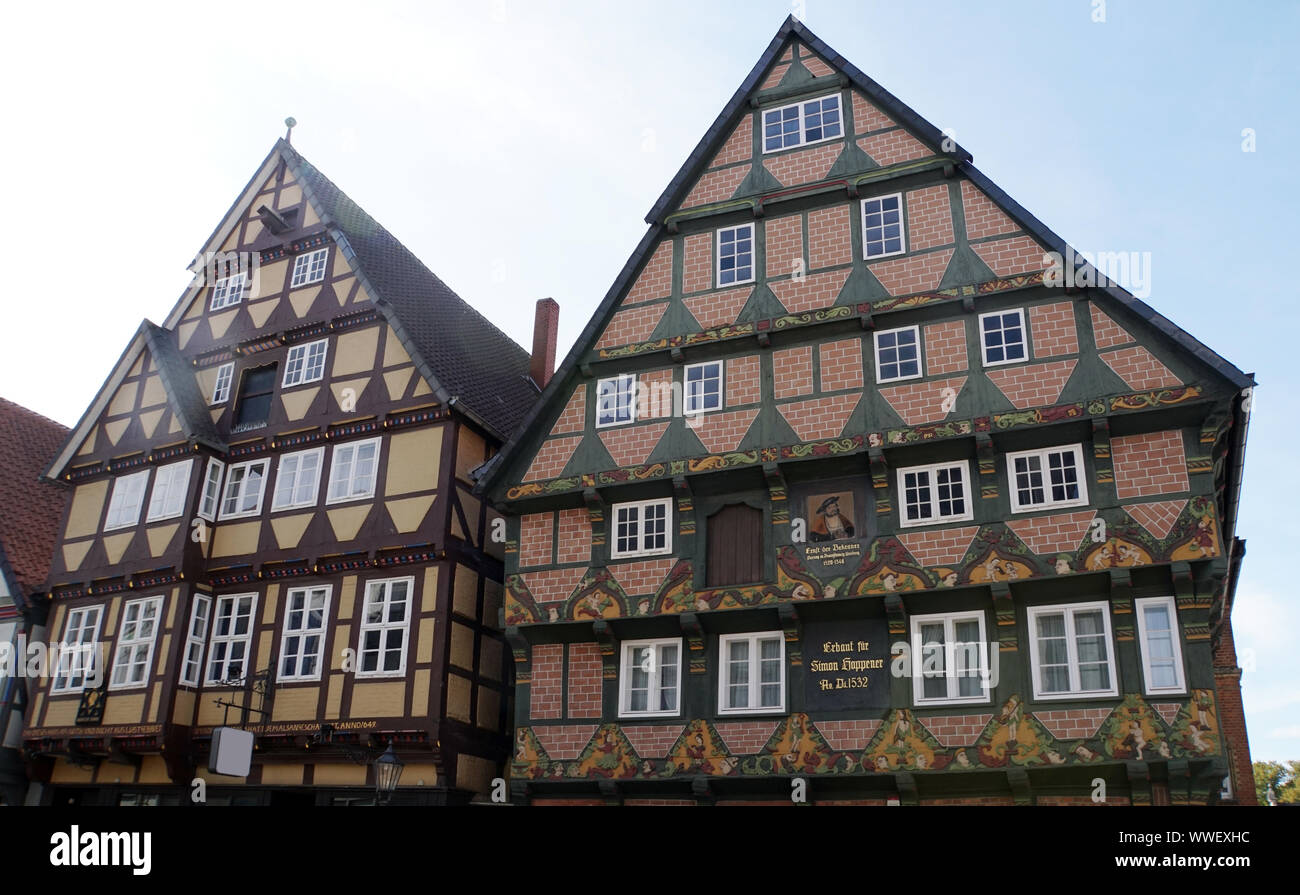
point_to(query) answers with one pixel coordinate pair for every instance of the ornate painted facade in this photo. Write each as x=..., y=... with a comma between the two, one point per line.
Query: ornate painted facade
x=846, y=481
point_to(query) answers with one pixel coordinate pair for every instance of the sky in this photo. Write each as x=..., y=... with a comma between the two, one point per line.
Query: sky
x=516, y=147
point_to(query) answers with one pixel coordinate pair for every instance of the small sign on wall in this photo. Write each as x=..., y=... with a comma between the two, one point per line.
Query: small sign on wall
x=847, y=665
x=232, y=752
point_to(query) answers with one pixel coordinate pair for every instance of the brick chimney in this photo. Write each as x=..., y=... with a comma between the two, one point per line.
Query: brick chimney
x=546, y=326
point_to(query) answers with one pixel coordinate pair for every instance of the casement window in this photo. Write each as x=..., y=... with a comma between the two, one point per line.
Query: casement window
x=615, y=400
x=703, y=390
x=245, y=484
x=385, y=620
x=736, y=255
x=211, y=496
x=936, y=493
x=195, y=638
x=309, y=268
x=78, y=651
x=949, y=658
x=1002, y=337
x=1052, y=477
x=752, y=675
x=305, y=363
x=127, y=500
x=171, y=486
x=651, y=680
x=882, y=227
x=135, y=641
x=297, y=479
x=221, y=388
x=353, y=470
x=256, y=391
x=306, y=610
x=232, y=635
x=228, y=291
x=1162, y=655
x=802, y=123
x=1070, y=651
x=898, y=354
x=735, y=546
x=642, y=528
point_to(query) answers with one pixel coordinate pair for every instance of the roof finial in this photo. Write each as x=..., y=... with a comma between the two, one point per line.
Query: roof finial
x=290, y=123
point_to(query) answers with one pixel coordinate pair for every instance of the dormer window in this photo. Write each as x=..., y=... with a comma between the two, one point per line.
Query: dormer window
x=255, y=394
x=309, y=268
x=228, y=291
x=802, y=123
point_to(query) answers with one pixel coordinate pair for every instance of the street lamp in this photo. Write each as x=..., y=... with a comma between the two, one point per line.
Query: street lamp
x=388, y=770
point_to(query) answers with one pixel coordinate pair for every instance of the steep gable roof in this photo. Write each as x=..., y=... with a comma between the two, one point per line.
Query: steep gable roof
x=31, y=510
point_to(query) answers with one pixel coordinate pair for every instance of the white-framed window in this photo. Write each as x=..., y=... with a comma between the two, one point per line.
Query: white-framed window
x=1162, y=654
x=305, y=363
x=78, y=651
x=898, y=354
x=1050, y=477
x=752, y=675
x=882, y=227
x=309, y=268
x=135, y=642
x=306, y=611
x=651, y=679
x=801, y=123
x=245, y=485
x=221, y=388
x=703, y=390
x=1070, y=651
x=939, y=492
x=210, y=498
x=232, y=634
x=615, y=400
x=736, y=255
x=127, y=500
x=949, y=658
x=195, y=638
x=1003, y=337
x=297, y=479
x=228, y=291
x=385, y=619
x=171, y=486
x=353, y=469
x=642, y=528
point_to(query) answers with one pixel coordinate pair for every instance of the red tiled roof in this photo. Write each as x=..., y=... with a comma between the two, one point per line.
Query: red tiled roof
x=31, y=509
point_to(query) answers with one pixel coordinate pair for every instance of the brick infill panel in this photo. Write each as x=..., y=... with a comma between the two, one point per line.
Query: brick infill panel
x=547, y=661
x=553, y=585
x=574, y=541
x=929, y=218
x=551, y=458
x=653, y=741
x=912, y=273
x=940, y=546
x=1008, y=257
x=584, y=691
x=746, y=737
x=739, y=146
x=1053, y=331
x=716, y=186
x=714, y=309
x=792, y=372
x=631, y=445
x=830, y=241
x=820, y=417
x=641, y=578
x=1033, y=385
x=923, y=402
x=573, y=418
x=956, y=730
x=743, y=380
x=632, y=325
x=1046, y=535
x=817, y=290
x=891, y=147
x=983, y=217
x=841, y=364
x=848, y=736
x=945, y=348
x=1149, y=464
x=803, y=165
x=536, y=539
x=656, y=278
x=1157, y=517
x=1072, y=724
x=866, y=117
x=1139, y=368
x=1106, y=333
x=720, y=432
x=784, y=238
x=564, y=742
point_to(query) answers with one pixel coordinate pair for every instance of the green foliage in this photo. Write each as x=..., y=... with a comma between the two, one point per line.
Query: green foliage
x=1282, y=777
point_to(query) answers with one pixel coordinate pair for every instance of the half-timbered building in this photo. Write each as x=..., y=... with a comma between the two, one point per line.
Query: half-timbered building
x=271, y=525
x=858, y=489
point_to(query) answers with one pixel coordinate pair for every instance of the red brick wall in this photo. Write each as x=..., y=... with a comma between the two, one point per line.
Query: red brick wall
x=1105, y=331
x=632, y=325
x=739, y=146
x=1157, y=517
x=841, y=364
x=564, y=742
x=1073, y=724
x=774, y=77
x=697, y=262
x=983, y=218
x=945, y=348
x=574, y=541
x=643, y=576
x=939, y=546
x=1232, y=717
x=720, y=432
x=867, y=117
x=818, y=290
x=915, y=273
x=551, y=457
x=584, y=681
x=816, y=67
x=820, y=417
x=656, y=278
x=716, y=186
x=1008, y=257
x=742, y=380
x=573, y=418
x=830, y=241
x=892, y=147
x=536, y=538
x=653, y=741
x=1052, y=327
x=745, y=737
x=1060, y=533
x=792, y=372
x=784, y=244
x=718, y=308
x=1033, y=385
x=547, y=680
x=803, y=165
x=922, y=402
x=848, y=735
x=654, y=395
x=956, y=730
x=929, y=218
x=631, y=445
x=1150, y=464
x=1139, y=368
x=553, y=585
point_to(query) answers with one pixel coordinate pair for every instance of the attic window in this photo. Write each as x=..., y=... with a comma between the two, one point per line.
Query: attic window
x=801, y=123
x=228, y=291
x=309, y=268
x=255, y=394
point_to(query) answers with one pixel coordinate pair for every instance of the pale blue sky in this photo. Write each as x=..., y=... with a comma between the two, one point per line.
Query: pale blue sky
x=515, y=147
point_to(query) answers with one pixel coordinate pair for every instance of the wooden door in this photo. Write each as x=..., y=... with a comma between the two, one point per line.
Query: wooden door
x=735, y=549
